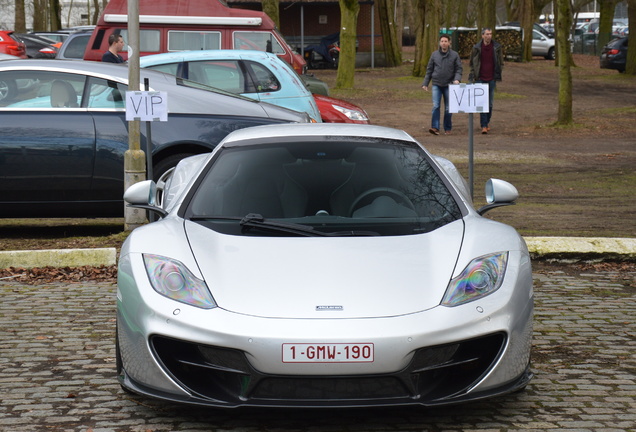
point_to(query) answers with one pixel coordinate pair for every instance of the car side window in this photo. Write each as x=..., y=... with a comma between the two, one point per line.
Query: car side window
x=193, y=40
x=76, y=47
x=171, y=68
x=41, y=89
x=264, y=79
x=222, y=74
x=260, y=41
x=149, y=40
x=105, y=93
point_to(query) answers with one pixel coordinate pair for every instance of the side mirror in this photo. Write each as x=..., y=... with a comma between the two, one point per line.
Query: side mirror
x=499, y=193
x=142, y=195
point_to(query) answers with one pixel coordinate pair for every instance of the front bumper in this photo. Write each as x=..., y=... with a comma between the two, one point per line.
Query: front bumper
x=214, y=357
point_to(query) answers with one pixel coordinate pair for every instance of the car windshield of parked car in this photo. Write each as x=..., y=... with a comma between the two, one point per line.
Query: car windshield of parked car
x=343, y=186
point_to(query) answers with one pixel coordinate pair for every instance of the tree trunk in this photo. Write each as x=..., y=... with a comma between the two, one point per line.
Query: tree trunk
x=40, y=15
x=55, y=15
x=565, y=74
x=526, y=20
x=630, y=67
x=487, y=17
x=605, y=24
x=20, y=17
x=270, y=7
x=96, y=12
x=348, y=32
x=427, y=36
x=390, y=28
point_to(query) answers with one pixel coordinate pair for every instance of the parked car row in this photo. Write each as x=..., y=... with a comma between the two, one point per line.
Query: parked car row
x=258, y=75
x=65, y=133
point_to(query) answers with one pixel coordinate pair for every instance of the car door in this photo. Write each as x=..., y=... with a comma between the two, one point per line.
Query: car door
x=539, y=44
x=47, y=142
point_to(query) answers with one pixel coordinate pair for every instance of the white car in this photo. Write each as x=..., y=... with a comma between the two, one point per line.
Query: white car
x=543, y=46
x=322, y=265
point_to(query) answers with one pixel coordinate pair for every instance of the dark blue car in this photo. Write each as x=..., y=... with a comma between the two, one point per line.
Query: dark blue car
x=64, y=133
x=614, y=55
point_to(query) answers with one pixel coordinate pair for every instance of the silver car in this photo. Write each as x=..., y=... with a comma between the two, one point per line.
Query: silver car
x=322, y=265
x=543, y=46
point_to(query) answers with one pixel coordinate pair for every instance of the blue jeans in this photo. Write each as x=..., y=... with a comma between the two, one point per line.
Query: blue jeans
x=438, y=93
x=484, y=118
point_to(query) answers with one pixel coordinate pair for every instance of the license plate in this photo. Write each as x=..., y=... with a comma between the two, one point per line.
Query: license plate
x=328, y=353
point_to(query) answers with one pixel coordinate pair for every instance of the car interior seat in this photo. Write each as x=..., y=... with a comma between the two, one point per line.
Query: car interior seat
x=63, y=95
x=257, y=186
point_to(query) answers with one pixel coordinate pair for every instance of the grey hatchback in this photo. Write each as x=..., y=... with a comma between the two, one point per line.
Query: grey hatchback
x=65, y=132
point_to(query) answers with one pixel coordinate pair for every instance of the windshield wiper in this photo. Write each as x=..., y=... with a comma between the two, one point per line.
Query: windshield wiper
x=255, y=220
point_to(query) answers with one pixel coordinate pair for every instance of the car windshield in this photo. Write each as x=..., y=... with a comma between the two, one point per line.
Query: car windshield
x=338, y=186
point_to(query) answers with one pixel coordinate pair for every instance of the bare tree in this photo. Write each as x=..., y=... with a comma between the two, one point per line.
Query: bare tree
x=605, y=23
x=487, y=16
x=526, y=21
x=55, y=15
x=564, y=22
x=427, y=31
x=40, y=15
x=349, y=10
x=96, y=12
x=20, y=17
x=270, y=7
x=630, y=67
x=391, y=23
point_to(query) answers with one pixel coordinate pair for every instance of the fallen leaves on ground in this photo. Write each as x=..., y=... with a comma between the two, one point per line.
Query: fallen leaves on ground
x=40, y=275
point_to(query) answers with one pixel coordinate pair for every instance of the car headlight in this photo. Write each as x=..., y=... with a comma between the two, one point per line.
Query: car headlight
x=172, y=279
x=481, y=277
x=352, y=114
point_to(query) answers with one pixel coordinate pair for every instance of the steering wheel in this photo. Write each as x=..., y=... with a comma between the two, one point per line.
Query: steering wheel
x=367, y=196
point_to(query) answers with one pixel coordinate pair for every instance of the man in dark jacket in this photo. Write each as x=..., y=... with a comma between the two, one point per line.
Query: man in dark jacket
x=115, y=46
x=444, y=68
x=486, y=64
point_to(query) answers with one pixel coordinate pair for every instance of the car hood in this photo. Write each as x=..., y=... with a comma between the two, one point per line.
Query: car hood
x=333, y=277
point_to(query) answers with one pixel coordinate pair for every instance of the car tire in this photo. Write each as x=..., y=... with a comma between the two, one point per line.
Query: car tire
x=162, y=172
x=8, y=90
x=551, y=54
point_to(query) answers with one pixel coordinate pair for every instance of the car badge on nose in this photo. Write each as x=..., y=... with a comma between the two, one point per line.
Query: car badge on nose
x=329, y=308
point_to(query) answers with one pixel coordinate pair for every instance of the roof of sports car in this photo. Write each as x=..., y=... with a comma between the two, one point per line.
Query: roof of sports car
x=317, y=129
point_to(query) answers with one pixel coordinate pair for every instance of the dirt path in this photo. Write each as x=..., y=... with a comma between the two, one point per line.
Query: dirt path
x=576, y=181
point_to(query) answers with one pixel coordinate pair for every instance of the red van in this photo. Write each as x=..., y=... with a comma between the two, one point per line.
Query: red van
x=178, y=25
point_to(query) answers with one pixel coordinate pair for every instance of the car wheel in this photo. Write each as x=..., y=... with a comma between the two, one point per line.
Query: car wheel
x=163, y=171
x=8, y=90
x=551, y=54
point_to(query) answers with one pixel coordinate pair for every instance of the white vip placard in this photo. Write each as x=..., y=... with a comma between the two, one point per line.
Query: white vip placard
x=468, y=98
x=146, y=106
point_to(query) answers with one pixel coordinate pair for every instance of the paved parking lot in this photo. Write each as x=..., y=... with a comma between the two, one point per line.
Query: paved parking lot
x=57, y=369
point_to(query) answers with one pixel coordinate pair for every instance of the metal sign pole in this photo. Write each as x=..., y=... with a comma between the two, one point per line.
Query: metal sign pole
x=134, y=160
x=471, y=164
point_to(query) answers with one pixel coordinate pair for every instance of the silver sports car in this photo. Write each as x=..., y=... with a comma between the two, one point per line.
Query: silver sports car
x=322, y=265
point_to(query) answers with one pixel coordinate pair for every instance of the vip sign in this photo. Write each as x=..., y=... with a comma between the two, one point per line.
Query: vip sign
x=146, y=106
x=468, y=98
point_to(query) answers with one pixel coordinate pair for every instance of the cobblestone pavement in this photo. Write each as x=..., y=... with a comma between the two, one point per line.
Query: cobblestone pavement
x=57, y=370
